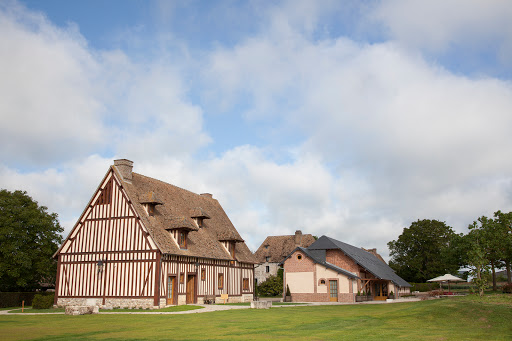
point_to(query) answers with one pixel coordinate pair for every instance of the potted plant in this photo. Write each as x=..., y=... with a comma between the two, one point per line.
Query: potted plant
x=288, y=297
x=391, y=295
x=359, y=298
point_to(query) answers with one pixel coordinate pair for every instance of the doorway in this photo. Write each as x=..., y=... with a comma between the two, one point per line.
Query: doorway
x=333, y=291
x=191, y=289
x=380, y=291
x=171, y=290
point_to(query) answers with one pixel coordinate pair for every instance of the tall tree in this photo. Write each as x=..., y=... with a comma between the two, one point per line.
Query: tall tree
x=490, y=243
x=428, y=248
x=29, y=236
x=476, y=256
x=504, y=226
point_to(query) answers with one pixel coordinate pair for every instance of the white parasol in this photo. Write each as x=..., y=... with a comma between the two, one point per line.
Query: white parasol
x=446, y=278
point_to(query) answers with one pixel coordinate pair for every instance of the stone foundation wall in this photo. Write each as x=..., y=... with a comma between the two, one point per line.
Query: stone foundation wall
x=342, y=297
x=132, y=303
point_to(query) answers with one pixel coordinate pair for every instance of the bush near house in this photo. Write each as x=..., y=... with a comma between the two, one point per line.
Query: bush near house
x=15, y=299
x=423, y=287
x=42, y=301
x=273, y=286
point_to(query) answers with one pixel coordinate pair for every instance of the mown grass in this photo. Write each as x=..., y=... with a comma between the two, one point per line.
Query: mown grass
x=466, y=318
x=28, y=310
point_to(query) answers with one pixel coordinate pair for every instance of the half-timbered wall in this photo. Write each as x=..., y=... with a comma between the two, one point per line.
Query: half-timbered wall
x=108, y=254
x=233, y=275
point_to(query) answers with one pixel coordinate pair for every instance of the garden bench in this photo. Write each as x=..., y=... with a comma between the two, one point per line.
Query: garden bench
x=209, y=299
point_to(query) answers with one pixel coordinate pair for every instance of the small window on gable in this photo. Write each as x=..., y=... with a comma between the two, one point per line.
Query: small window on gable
x=266, y=246
x=299, y=256
x=106, y=194
x=267, y=259
x=220, y=282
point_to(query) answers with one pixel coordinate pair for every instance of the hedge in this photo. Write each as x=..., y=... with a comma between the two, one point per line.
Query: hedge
x=42, y=301
x=424, y=286
x=14, y=299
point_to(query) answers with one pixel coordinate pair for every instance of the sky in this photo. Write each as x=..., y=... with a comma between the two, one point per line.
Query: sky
x=350, y=119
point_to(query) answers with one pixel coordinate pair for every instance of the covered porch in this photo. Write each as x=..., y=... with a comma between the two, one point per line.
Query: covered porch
x=377, y=289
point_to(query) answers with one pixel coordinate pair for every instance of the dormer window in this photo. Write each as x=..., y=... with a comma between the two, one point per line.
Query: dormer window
x=179, y=227
x=149, y=201
x=199, y=215
x=231, y=248
x=182, y=239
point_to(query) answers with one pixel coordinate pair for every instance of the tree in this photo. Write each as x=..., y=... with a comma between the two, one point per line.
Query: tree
x=476, y=257
x=428, y=248
x=29, y=236
x=504, y=226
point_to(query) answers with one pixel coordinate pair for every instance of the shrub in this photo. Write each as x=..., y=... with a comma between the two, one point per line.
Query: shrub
x=15, y=299
x=273, y=286
x=507, y=288
x=423, y=287
x=42, y=301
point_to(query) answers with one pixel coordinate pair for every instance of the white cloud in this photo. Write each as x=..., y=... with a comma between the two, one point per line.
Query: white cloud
x=440, y=25
x=48, y=108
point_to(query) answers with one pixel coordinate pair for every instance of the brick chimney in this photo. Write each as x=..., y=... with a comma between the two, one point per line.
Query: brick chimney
x=124, y=167
x=298, y=238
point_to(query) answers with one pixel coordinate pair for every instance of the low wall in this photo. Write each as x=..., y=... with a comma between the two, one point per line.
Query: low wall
x=131, y=303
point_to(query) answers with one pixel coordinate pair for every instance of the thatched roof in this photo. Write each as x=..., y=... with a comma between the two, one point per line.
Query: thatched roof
x=278, y=247
x=178, y=207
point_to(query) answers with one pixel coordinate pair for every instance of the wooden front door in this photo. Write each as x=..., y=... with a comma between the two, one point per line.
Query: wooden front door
x=191, y=289
x=171, y=290
x=380, y=291
x=333, y=291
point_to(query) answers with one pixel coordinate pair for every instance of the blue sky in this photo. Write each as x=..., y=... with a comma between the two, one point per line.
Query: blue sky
x=345, y=118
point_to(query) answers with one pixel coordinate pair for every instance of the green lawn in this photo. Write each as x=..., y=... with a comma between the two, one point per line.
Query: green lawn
x=39, y=311
x=467, y=318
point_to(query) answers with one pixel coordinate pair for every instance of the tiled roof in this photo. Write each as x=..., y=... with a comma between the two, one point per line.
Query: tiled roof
x=177, y=206
x=278, y=247
x=365, y=259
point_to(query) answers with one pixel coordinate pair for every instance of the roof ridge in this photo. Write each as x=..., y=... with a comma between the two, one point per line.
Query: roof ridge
x=169, y=184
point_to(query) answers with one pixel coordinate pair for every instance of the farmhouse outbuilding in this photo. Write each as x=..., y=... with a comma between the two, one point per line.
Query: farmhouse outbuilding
x=330, y=270
x=274, y=250
x=141, y=242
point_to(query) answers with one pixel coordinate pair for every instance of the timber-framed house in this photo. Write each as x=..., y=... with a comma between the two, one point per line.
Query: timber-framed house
x=141, y=242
